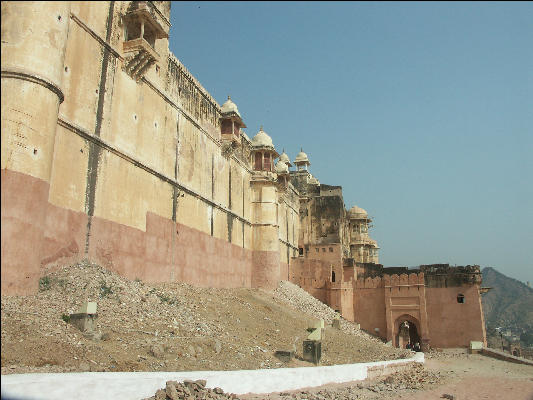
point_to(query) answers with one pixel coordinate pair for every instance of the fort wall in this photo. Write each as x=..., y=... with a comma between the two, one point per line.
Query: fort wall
x=132, y=172
x=454, y=324
x=444, y=316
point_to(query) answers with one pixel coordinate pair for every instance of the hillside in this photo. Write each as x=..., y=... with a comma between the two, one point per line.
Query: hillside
x=509, y=304
x=168, y=327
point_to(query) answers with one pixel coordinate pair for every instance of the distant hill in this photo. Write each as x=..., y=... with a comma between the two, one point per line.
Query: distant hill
x=509, y=304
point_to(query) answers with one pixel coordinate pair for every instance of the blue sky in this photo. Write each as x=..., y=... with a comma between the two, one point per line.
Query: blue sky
x=423, y=112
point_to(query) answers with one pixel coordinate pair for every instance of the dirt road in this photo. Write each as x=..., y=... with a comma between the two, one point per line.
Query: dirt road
x=454, y=373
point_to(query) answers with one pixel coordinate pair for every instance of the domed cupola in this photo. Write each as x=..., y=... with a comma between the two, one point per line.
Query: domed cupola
x=282, y=170
x=263, y=152
x=285, y=158
x=231, y=122
x=301, y=161
x=357, y=213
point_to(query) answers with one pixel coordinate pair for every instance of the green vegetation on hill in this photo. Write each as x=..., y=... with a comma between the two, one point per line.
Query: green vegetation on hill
x=509, y=304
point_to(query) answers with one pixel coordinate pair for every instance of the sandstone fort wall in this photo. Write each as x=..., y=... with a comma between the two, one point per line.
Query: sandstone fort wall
x=133, y=174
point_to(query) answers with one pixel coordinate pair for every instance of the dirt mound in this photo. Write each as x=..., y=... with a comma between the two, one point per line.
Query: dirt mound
x=168, y=327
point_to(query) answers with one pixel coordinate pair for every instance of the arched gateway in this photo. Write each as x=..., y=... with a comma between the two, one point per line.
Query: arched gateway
x=406, y=330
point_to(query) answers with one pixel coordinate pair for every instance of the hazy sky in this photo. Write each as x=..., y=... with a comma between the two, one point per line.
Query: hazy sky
x=422, y=112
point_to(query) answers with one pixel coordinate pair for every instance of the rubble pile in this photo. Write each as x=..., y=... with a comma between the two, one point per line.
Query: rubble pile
x=304, y=302
x=412, y=379
x=415, y=378
x=66, y=289
x=143, y=326
x=190, y=390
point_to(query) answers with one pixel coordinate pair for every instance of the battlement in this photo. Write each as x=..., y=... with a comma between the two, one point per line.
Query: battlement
x=435, y=275
x=444, y=275
x=391, y=281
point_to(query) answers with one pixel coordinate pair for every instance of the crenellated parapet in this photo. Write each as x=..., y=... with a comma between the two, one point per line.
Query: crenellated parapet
x=444, y=275
x=391, y=281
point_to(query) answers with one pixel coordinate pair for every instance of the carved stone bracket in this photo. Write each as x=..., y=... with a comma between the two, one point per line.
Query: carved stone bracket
x=139, y=56
x=228, y=148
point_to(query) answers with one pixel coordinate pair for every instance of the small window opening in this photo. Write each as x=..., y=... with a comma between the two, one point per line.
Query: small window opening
x=317, y=249
x=301, y=251
x=332, y=276
x=331, y=249
x=460, y=298
x=258, y=159
x=323, y=249
x=227, y=130
x=266, y=162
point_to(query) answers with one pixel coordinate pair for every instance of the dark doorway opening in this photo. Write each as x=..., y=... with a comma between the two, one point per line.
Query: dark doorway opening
x=408, y=336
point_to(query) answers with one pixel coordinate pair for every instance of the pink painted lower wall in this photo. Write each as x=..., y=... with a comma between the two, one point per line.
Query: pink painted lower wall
x=346, y=303
x=169, y=252
x=37, y=237
x=312, y=276
x=265, y=269
x=369, y=310
x=64, y=238
x=283, y=271
x=453, y=324
x=23, y=209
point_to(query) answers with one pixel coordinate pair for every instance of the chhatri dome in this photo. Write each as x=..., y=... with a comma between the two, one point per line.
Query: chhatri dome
x=285, y=158
x=357, y=212
x=301, y=158
x=229, y=107
x=262, y=139
x=281, y=168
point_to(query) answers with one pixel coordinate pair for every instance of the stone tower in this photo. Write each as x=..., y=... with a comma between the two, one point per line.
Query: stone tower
x=266, y=257
x=34, y=38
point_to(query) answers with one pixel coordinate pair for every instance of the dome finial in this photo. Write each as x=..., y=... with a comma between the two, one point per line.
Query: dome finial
x=229, y=97
x=261, y=128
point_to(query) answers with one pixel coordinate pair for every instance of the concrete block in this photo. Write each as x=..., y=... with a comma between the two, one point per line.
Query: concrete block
x=88, y=308
x=316, y=334
x=476, y=345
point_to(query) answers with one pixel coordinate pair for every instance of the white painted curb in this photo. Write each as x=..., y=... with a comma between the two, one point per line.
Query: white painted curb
x=139, y=385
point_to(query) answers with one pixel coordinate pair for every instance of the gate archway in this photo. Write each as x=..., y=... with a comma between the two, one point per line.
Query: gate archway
x=406, y=330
